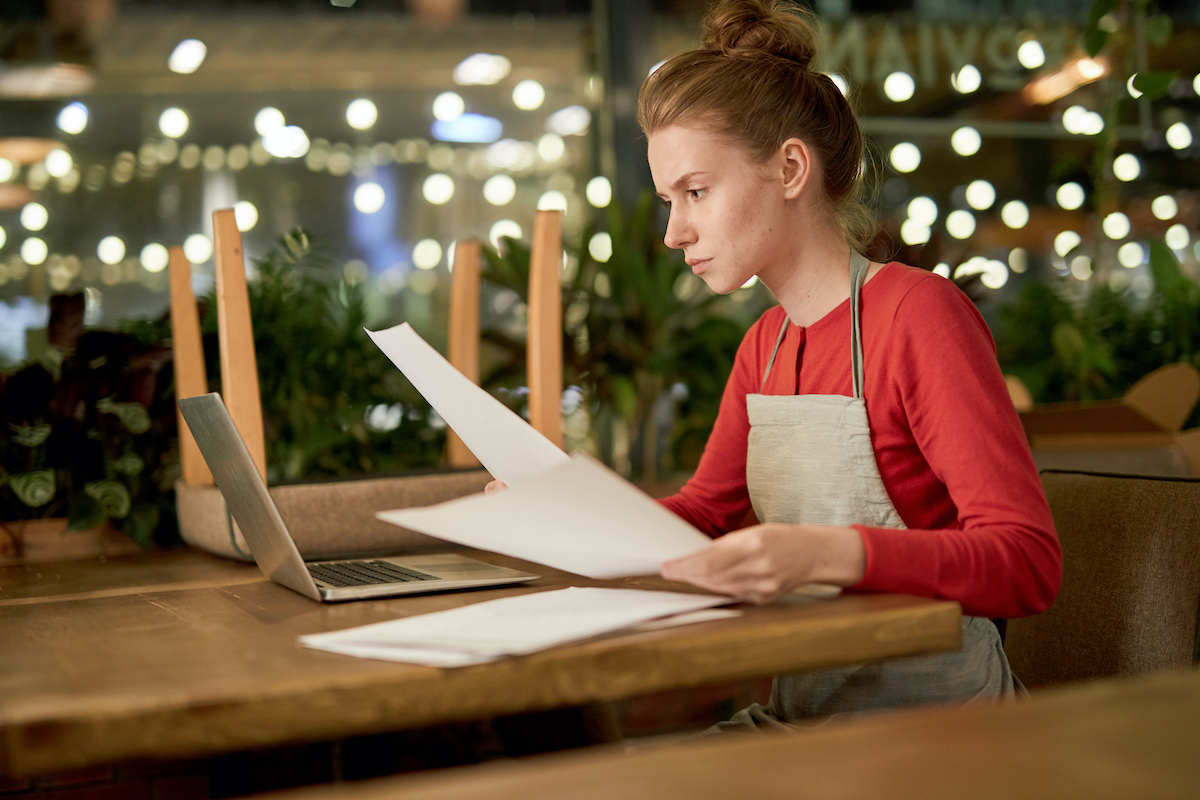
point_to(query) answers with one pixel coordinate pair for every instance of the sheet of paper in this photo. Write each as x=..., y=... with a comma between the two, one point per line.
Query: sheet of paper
x=509, y=626
x=507, y=446
x=580, y=517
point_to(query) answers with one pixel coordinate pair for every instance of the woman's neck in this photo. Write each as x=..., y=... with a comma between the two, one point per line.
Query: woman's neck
x=816, y=280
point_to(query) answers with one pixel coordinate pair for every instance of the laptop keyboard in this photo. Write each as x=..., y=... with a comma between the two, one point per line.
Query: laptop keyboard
x=364, y=573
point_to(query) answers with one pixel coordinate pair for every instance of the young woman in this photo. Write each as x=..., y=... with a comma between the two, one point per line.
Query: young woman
x=866, y=421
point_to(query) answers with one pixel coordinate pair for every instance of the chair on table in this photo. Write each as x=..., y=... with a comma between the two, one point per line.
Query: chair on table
x=339, y=517
x=1130, y=598
x=544, y=356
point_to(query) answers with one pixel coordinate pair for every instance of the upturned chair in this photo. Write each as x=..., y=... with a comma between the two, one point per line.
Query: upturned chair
x=336, y=518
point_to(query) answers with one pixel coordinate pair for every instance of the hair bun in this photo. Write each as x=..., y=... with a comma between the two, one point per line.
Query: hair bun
x=740, y=26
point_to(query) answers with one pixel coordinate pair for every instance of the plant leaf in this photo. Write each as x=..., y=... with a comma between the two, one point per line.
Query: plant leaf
x=34, y=489
x=133, y=416
x=129, y=464
x=1154, y=83
x=1094, y=41
x=83, y=513
x=112, y=496
x=1158, y=29
x=30, y=435
x=141, y=523
x=1168, y=278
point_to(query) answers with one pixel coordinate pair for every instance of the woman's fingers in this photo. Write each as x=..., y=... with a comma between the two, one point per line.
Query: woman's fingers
x=495, y=486
x=744, y=564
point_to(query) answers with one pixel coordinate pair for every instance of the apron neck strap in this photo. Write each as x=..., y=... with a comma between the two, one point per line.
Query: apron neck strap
x=859, y=266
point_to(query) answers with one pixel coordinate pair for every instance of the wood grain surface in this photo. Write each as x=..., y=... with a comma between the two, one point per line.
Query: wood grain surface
x=1100, y=740
x=544, y=359
x=239, y=363
x=187, y=358
x=184, y=654
x=463, y=345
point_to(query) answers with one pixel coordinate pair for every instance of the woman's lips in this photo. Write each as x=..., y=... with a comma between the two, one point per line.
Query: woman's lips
x=698, y=265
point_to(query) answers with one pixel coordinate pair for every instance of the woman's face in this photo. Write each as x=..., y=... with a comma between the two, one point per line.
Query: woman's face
x=728, y=214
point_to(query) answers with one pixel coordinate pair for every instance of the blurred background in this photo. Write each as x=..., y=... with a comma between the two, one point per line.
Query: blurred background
x=1041, y=155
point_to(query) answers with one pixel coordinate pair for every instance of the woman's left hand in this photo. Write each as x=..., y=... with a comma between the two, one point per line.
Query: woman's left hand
x=763, y=562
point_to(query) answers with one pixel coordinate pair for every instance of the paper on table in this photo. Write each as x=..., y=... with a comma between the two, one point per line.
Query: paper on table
x=508, y=447
x=509, y=626
x=580, y=517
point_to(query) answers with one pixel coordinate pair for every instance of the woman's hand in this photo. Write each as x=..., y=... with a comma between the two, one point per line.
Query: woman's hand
x=495, y=486
x=763, y=562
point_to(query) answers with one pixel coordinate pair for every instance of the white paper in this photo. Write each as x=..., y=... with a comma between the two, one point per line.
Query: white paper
x=508, y=447
x=509, y=626
x=580, y=517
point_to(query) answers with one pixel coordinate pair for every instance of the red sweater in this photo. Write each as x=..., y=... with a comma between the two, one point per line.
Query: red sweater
x=950, y=447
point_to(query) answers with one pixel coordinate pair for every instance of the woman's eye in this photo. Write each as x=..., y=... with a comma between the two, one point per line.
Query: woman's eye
x=696, y=194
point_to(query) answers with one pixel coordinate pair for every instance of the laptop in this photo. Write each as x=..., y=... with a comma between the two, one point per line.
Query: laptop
x=274, y=550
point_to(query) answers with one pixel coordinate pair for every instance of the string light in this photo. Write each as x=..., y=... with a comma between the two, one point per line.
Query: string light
x=426, y=254
x=499, y=190
x=600, y=247
x=899, y=86
x=448, y=106
x=967, y=79
x=528, y=95
x=438, y=188
x=1067, y=241
x=966, y=141
x=599, y=192
x=187, y=56
x=1116, y=225
x=1126, y=167
x=960, y=224
x=905, y=157
x=73, y=118
x=980, y=195
x=1031, y=55
x=361, y=114
x=110, y=250
x=245, y=215
x=1164, y=207
x=505, y=228
x=1070, y=195
x=34, y=217
x=154, y=257
x=173, y=122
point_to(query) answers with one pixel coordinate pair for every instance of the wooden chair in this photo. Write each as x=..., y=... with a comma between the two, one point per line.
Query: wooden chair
x=339, y=517
x=1130, y=598
x=544, y=356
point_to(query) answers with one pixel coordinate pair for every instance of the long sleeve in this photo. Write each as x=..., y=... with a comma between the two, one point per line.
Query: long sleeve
x=999, y=556
x=948, y=443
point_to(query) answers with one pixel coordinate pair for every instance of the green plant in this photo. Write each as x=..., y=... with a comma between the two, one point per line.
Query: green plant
x=87, y=432
x=640, y=333
x=1067, y=345
x=333, y=405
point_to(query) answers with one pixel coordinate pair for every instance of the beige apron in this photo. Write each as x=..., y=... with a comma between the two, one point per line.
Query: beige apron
x=809, y=460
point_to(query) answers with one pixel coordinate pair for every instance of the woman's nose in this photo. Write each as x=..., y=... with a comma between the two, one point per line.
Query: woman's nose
x=679, y=233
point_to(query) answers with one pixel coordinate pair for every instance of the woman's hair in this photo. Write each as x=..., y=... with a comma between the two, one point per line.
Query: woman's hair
x=752, y=81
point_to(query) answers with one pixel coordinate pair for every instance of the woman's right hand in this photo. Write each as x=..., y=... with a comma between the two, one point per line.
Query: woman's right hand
x=495, y=486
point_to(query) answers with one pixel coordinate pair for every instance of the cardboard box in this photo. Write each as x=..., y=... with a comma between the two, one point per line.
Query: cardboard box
x=1140, y=433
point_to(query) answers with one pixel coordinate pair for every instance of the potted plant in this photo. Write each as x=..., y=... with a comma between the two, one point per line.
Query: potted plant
x=86, y=435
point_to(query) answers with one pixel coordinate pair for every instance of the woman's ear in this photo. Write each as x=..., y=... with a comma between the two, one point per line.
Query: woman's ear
x=798, y=165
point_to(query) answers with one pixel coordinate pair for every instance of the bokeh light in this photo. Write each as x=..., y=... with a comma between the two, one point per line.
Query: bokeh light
x=499, y=190
x=905, y=157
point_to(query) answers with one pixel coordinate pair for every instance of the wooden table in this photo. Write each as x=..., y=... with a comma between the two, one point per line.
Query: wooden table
x=182, y=654
x=1109, y=739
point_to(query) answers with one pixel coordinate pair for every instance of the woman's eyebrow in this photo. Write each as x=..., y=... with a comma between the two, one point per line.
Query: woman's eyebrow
x=683, y=179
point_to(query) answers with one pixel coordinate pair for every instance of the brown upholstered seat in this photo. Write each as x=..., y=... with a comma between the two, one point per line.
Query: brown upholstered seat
x=1130, y=598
